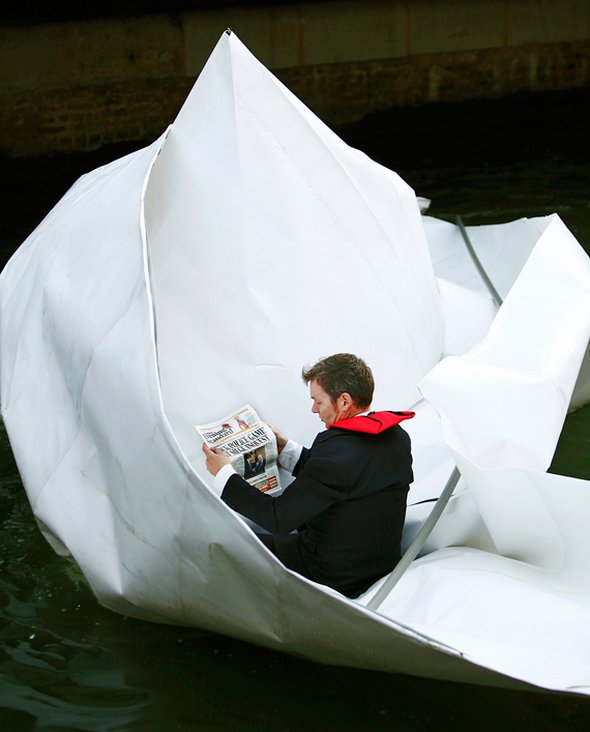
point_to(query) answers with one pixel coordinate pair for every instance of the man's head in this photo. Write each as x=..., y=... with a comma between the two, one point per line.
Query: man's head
x=340, y=386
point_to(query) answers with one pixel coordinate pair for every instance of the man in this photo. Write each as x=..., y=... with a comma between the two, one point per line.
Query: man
x=340, y=521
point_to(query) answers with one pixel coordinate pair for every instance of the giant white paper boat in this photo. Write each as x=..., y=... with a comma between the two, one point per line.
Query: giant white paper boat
x=170, y=286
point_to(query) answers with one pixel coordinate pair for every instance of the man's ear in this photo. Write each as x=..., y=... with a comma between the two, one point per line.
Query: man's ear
x=345, y=400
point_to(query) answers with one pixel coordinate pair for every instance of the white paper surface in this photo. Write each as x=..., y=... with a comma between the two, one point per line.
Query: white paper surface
x=203, y=272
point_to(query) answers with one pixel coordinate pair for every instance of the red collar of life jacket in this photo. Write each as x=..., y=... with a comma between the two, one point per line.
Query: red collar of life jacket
x=372, y=423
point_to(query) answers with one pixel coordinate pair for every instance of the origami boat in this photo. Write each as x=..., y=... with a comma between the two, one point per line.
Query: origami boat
x=171, y=286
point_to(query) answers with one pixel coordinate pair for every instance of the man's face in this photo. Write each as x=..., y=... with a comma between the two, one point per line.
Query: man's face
x=322, y=404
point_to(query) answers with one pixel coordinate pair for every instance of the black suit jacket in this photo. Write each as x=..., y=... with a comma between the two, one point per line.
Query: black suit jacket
x=347, y=505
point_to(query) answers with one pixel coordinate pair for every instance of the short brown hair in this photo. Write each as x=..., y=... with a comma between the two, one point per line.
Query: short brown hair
x=343, y=372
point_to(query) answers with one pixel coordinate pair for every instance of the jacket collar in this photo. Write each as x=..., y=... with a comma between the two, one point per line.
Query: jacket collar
x=372, y=423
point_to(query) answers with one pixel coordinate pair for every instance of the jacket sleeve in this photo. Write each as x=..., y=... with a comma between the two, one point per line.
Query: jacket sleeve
x=305, y=453
x=320, y=482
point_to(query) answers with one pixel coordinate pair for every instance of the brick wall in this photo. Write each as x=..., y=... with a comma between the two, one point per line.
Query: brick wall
x=82, y=86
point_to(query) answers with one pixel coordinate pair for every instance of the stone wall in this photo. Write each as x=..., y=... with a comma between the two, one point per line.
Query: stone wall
x=81, y=86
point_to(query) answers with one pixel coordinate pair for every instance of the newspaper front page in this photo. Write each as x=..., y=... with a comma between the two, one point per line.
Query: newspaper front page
x=249, y=443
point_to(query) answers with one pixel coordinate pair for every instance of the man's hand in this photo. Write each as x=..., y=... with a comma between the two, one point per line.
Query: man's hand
x=215, y=459
x=281, y=439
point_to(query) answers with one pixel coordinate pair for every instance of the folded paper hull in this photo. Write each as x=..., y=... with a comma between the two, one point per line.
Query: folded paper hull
x=174, y=284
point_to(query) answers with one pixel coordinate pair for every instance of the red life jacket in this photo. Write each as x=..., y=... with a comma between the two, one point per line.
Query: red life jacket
x=372, y=423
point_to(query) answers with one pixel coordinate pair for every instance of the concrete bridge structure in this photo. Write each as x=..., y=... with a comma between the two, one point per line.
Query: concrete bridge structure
x=82, y=85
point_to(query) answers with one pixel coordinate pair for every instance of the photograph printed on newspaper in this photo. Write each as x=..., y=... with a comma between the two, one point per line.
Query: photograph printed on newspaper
x=249, y=443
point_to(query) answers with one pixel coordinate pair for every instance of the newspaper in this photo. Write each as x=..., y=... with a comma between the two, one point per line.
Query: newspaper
x=249, y=443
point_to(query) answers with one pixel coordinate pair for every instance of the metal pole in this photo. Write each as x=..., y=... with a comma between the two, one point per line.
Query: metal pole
x=417, y=543
x=482, y=273
x=440, y=505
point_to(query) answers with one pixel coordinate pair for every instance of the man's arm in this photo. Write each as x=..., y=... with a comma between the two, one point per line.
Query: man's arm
x=290, y=455
x=321, y=481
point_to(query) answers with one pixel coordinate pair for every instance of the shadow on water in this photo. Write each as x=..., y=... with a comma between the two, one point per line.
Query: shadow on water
x=68, y=664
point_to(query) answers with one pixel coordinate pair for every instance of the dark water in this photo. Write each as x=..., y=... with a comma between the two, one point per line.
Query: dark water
x=67, y=664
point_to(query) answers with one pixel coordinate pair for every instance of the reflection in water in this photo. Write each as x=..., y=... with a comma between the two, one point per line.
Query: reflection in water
x=68, y=664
